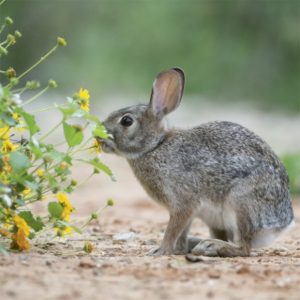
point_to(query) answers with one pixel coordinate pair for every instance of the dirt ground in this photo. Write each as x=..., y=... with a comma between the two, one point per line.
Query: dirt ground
x=116, y=269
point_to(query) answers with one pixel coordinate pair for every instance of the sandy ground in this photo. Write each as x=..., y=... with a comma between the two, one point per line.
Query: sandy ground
x=60, y=269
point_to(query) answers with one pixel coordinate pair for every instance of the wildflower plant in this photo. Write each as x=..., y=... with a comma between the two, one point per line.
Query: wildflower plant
x=32, y=169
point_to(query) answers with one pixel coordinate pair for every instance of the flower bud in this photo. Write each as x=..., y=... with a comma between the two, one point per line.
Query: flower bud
x=33, y=84
x=94, y=216
x=96, y=171
x=59, y=233
x=61, y=42
x=18, y=34
x=11, y=39
x=40, y=172
x=14, y=81
x=9, y=21
x=52, y=84
x=73, y=182
x=10, y=72
x=3, y=51
x=88, y=247
x=110, y=202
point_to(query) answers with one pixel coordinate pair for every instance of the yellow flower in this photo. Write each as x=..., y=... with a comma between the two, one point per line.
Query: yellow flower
x=63, y=165
x=84, y=99
x=19, y=239
x=21, y=224
x=4, y=133
x=40, y=172
x=8, y=146
x=66, y=204
x=97, y=146
x=26, y=192
x=16, y=117
x=6, y=170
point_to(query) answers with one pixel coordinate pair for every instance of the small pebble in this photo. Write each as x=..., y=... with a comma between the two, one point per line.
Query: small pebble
x=124, y=236
x=87, y=262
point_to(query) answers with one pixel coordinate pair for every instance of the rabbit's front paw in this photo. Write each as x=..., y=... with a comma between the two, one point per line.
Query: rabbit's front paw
x=159, y=252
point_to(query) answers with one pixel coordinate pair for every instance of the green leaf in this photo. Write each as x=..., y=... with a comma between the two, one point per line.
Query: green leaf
x=36, y=151
x=19, y=202
x=100, y=166
x=35, y=224
x=30, y=121
x=32, y=185
x=19, y=161
x=100, y=131
x=70, y=110
x=55, y=155
x=73, y=134
x=55, y=210
x=7, y=119
x=92, y=118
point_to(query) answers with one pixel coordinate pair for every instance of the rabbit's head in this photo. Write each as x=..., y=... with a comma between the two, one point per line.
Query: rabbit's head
x=138, y=129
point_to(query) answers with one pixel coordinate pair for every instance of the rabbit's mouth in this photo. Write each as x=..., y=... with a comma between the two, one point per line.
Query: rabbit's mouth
x=107, y=145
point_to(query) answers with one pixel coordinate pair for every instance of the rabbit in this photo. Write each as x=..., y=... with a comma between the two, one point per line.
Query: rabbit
x=220, y=172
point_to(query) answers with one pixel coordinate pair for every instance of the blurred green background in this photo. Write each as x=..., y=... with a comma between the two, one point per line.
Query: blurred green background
x=245, y=51
x=230, y=50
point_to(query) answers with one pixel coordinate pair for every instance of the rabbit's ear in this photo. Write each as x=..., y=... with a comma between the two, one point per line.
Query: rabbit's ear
x=167, y=91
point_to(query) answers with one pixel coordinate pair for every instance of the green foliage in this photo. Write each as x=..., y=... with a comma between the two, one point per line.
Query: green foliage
x=55, y=210
x=19, y=161
x=29, y=119
x=73, y=134
x=35, y=223
x=230, y=49
x=31, y=168
x=292, y=164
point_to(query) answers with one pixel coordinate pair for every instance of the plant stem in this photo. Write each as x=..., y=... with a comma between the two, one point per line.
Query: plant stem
x=100, y=210
x=42, y=110
x=23, y=90
x=47, y=108
x=8, y=45
x=2, y=1
x=36, y=96
x=82, y=146
x=59, y=144
x=51, y=131
x=38, y=62
x=84, y=180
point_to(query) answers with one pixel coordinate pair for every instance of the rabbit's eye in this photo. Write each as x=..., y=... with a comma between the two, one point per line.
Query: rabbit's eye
x=126, y=121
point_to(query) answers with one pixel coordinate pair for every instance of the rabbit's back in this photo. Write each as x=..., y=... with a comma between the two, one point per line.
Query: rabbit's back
x=218, y=161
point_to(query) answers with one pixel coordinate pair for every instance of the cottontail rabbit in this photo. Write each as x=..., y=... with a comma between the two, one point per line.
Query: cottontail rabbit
x=220, y=172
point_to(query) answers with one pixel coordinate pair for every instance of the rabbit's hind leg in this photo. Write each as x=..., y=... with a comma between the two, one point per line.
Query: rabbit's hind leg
x=215, y=247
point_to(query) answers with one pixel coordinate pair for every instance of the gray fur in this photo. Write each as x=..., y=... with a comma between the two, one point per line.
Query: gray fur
x=220, y=165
